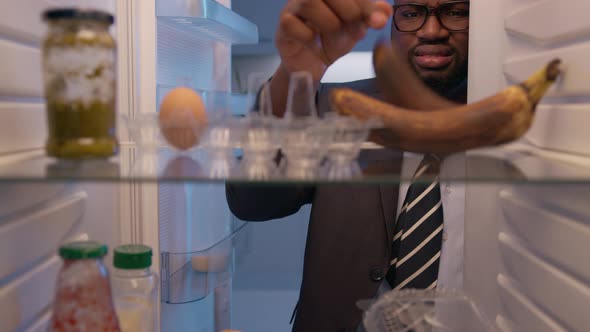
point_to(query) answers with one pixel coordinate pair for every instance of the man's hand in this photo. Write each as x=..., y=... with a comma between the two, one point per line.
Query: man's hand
x=312, y=34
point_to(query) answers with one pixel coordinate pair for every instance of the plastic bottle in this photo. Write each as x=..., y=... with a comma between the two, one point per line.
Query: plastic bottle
x=135, y=288
x=83, y=300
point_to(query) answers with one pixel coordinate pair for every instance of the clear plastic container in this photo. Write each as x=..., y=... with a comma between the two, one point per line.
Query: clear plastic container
x=83, y=299
x=135, y=288
x=425, y=311
x=260, y=135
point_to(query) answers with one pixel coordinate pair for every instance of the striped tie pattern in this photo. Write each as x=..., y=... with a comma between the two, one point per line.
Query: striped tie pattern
x=417, y=240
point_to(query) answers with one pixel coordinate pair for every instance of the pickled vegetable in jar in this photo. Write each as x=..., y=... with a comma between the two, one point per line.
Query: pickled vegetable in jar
x=80, y=84
x=83, y=300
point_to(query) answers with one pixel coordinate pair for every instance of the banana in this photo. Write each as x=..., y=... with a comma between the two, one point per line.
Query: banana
x=495, y=120
x=400, y=85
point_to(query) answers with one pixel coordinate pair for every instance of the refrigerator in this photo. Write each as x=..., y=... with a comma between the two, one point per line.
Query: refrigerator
x=525, y=241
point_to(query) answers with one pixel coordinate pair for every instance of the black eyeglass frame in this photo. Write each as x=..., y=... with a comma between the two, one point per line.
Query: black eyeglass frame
x=430, y=11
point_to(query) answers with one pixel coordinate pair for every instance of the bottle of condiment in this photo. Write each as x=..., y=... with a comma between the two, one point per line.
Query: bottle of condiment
x=135, y=288
x=83, y=300
x=80, y=84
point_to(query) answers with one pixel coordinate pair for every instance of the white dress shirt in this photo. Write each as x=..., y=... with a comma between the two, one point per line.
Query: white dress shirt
x=450, y=273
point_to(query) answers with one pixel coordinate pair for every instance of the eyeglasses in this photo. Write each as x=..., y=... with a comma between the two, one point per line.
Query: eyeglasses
x=453, y=16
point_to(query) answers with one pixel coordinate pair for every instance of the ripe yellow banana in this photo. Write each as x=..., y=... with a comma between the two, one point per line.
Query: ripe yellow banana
x=495, y=120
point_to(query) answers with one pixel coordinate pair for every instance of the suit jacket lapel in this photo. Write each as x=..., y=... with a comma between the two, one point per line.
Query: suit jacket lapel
x=389, y=197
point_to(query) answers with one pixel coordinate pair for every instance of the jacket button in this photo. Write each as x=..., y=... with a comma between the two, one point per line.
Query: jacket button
x=376, y=274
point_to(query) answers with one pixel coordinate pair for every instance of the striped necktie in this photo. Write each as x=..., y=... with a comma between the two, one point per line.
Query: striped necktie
x=417, y=240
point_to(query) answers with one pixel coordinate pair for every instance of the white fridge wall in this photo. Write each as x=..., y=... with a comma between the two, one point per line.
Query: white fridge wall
x=36, y=218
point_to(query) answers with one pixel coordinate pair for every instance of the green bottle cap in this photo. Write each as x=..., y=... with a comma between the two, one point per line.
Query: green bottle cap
x=132, y=256
x=82, y=250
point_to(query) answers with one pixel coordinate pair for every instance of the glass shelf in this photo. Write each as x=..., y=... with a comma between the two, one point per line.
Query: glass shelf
x=377, y=166
x=190, y=277
x=207, y=17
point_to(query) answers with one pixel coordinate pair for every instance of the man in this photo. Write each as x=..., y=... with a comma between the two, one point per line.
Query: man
x=349, y=253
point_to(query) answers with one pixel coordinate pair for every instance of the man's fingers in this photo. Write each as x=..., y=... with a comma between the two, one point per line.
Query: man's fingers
x=375, y=13
x=348, y=11
x=318, y=15
x=295, y=29
x=359, y=31
x=329, y=28
x=330, y=16
x=296, y=34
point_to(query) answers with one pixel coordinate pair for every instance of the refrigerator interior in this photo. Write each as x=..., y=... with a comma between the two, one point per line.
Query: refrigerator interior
x=524, y=244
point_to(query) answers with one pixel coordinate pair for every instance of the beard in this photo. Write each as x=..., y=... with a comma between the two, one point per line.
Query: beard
x=449, y=82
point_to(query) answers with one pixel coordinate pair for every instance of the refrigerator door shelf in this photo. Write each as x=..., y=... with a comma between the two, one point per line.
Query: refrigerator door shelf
x=208, y=17
x=190, y=277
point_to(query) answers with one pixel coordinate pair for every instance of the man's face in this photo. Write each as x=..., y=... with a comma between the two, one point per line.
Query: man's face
x=437, y=55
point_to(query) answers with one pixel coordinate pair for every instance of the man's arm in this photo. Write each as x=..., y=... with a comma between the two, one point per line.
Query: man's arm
x=261, y=203
x=266, y=202
x=313, y=34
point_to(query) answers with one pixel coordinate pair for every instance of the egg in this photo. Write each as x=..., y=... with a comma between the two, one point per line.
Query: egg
x=182, y=117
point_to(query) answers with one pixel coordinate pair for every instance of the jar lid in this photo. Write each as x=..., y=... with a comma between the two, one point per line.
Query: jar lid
x=79, y=14
x=132, y=256
x=82, y=250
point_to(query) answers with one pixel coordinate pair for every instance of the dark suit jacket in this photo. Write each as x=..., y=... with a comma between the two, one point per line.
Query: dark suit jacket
x=348, y=249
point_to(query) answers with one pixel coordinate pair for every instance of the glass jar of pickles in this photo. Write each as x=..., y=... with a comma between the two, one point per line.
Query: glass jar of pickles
x=80, y=84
